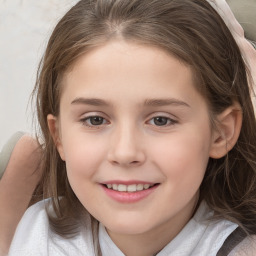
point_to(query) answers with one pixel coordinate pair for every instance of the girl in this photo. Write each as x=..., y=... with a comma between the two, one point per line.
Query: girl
x=149, y=135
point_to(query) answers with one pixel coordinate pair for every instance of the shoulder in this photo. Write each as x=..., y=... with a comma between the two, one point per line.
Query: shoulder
x=33, y=236
x=32, y=229
x=246, y=248
x=35, y=218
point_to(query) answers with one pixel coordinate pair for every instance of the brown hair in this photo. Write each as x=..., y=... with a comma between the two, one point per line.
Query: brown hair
x=192, y=31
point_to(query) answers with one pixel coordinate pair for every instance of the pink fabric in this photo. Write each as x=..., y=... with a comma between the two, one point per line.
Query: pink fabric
x=247, y=50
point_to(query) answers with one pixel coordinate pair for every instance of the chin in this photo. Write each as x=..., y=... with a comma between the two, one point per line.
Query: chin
x=128, y=228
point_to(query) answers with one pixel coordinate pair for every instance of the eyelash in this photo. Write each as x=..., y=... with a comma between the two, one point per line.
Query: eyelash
x=85, y=120
x=168, y=121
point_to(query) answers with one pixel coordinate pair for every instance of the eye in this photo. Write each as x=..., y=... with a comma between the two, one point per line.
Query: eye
x=162, y=121
x=94, y=121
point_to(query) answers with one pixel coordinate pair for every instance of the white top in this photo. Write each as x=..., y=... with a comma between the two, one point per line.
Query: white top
x=34, y=237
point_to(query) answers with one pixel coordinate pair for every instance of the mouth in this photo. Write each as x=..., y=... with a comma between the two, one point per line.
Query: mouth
x=129, y=191
x=131, y=188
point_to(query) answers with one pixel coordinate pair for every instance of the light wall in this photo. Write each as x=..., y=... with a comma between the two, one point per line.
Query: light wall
x=25, y=26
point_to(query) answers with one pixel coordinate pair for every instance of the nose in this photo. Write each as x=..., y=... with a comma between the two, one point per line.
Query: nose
x=126, y=147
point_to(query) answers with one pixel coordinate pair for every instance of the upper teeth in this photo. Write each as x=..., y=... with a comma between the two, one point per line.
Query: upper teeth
x=129, y=188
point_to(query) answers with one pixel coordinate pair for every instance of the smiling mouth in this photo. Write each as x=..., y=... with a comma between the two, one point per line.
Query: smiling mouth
x=132, y=188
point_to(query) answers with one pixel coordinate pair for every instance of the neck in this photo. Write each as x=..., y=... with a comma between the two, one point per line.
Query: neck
x=153, y=241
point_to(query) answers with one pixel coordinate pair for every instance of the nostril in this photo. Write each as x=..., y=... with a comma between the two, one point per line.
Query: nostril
x=134, y=162
x=126, y=163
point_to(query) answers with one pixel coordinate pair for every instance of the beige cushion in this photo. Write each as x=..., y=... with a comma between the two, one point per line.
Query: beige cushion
x=6, y=152
x=245, y=12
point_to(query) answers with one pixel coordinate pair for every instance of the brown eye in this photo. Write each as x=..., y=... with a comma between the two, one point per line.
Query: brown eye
x=96, y=120
x=160, y=120
x=92, y=121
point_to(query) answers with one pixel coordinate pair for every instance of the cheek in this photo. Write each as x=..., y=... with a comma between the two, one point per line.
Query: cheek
x=183, y=157
x=83, y=158
x=183, y=164
x=83, y=154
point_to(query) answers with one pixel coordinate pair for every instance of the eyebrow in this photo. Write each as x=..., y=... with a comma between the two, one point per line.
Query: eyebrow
x=90, y=101
x=148, y=102
x=165, y=102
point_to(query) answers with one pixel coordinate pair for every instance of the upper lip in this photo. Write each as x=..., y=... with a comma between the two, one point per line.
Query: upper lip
x=128, y=182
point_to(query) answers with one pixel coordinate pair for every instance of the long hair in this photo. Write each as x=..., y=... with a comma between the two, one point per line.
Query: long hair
x=193, y=32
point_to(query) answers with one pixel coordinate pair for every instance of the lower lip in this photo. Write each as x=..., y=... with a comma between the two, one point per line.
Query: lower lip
x=129, y=197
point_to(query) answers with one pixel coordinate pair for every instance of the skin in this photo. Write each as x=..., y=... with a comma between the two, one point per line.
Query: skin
x=16, y=187
x=129, y=144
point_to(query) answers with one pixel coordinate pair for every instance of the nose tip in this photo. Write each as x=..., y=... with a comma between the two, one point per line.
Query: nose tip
x=126, y=160
x=126, y=151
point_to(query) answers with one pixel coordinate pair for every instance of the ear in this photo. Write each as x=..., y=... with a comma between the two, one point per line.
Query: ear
x=54, y=129
x=226, y=134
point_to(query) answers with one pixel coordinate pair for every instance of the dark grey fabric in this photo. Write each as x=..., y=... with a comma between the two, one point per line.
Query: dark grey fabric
x=235, y=238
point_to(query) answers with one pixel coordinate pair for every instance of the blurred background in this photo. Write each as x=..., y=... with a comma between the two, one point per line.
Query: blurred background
x=25, y=26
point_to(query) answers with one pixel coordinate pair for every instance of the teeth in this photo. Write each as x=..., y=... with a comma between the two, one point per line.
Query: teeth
x=146, y=186
x=139, y=187
x=122, y=188
x=129, y=188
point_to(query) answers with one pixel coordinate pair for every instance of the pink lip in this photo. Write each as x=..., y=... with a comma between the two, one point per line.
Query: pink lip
x=130, y=182
x=125, y=197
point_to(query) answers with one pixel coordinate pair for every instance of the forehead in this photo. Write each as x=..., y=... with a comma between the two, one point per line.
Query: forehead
x=120, y=69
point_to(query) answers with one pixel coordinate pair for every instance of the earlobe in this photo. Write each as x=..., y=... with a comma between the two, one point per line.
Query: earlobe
x=229, y=124
x=53, y=126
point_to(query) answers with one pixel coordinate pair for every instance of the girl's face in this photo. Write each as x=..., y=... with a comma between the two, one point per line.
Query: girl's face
x=131, y=119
